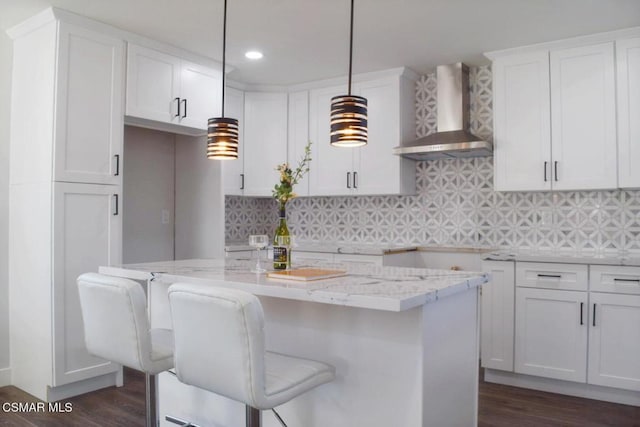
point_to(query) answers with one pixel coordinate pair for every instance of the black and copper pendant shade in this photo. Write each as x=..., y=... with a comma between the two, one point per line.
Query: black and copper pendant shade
x=222, y=138
x=348, y=121
x=222, y=132
x=349, y=112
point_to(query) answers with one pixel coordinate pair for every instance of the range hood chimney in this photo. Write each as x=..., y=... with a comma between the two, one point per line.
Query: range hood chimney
x=452, y=138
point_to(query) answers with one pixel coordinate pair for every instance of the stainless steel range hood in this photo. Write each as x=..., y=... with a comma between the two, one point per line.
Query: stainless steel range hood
x=453, y=138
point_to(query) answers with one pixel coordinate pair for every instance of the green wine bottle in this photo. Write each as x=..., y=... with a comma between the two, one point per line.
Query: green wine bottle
x=281, y=243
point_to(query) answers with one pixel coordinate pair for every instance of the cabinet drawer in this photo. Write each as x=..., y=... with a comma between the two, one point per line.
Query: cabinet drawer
x=615, y=279
x=571, y=277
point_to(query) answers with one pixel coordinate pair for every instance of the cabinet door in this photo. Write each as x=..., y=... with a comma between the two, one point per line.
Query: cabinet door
x=153, y=85
x=522, y=123
x=377, y=169
x=265, y=136
x=87, y=234
x=614, y=340
x=89, y=116
x=200, y=95
x=628, y=69
x=233, y=170
x=583, y=118
x=551, y=334
x=498, y=303
x=299, y=135
x=332, y=167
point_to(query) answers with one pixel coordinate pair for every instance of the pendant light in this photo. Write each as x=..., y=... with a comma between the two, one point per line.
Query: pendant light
x=349, y=112
x=222, y=132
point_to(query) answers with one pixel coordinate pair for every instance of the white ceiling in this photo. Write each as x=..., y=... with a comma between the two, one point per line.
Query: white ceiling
x=306, y=40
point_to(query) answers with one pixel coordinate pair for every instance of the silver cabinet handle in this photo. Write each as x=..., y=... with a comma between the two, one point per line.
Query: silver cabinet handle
x=348, y=179
x=545, y=171
x=555, y=171
x=242, y=181
x=355, y=177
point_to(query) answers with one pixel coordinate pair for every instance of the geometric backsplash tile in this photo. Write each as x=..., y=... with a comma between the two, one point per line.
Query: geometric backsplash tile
x=455, y=204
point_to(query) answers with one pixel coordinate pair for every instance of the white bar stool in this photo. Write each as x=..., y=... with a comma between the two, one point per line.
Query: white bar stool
x=116, y=328
x=219, y=347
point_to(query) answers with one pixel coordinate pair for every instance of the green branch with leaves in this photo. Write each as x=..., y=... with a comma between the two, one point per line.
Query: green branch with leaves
x=283, y=191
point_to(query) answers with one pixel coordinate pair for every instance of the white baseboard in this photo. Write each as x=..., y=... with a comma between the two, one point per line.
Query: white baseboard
x=608, y=394
x=5, y=377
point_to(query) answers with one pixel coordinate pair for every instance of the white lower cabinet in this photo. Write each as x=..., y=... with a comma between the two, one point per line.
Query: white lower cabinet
x=551, y=333
x=614, y=340
x=87, y=234
x=497, y=304
x=571, y=324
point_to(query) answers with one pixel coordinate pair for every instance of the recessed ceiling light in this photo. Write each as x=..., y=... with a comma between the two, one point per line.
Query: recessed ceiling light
x=253, y=54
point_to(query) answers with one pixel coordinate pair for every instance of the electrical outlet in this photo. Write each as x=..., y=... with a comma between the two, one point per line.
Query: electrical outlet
x=166, y=216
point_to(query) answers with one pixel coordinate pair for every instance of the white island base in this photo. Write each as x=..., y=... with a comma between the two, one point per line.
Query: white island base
x=417, y=367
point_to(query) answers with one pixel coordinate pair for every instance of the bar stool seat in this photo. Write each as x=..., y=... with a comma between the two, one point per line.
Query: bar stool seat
x=116, y=328
x=219, y=347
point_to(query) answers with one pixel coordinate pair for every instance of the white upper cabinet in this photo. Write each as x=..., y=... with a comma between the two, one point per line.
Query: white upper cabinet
x=153, y=84
x=164, y=89
x=88, y=109
x=372, y=169
x=200, y=94
x=522, y=124
x=233, y=170
x=332, y=167
x=265, y=140
x=391, y=111
x=628, y=80
x=298, y=135
x=583, y=118
x=555, y=116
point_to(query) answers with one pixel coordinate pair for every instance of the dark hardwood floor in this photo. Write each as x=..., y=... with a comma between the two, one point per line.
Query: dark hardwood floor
x=500, y=406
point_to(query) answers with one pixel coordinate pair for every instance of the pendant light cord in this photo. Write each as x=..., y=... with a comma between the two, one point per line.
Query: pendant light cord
x=224, y=52
x=350, y=47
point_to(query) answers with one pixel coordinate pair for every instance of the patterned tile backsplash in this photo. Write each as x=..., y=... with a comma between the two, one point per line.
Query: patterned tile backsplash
x=455, y=204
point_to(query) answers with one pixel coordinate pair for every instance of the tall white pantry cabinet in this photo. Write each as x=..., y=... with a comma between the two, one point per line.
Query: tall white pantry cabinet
x=65, y=194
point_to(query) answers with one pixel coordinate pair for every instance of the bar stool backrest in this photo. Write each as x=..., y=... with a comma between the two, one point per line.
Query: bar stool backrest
x=116, y=327
x=219, y=341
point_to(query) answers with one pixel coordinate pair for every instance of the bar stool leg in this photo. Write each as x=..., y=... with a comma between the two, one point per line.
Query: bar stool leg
x=253, y=417
x=152, y=409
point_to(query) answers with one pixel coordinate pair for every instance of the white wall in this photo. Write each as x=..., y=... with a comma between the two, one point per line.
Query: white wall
x=5, y=101
x=199, y=201
x=148, y=180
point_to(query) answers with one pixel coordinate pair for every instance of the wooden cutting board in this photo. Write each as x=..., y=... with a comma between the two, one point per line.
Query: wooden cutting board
x=306, y=274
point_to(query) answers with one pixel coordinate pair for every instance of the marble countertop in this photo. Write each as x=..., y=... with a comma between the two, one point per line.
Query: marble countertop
x=362, y=249
x=331, y=247
x=365, y=286
x=569, y=257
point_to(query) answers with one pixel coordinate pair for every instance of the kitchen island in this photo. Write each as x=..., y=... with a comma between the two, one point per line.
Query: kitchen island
x=404, y=342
